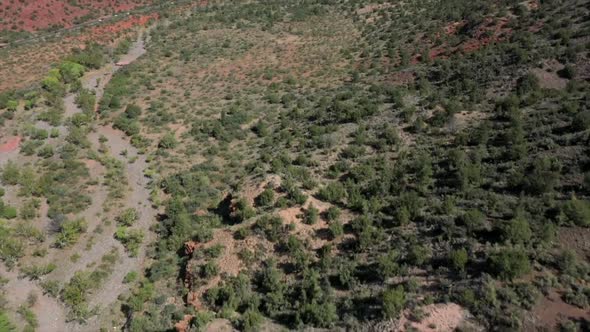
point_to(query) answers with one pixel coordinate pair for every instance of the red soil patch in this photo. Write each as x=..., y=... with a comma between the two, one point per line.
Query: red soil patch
x=33, y=15
x=106, y=33
x=11, y=145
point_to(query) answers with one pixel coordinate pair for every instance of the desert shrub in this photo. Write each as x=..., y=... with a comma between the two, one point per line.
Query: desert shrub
x=266, y=198
x=332, y=214
x=568, y=72
x=5, y=323
x=577, y=211
x=86, y=101
x=543, y=177
x=527, y=84
x=393, y=302
x=11, y=247
x=510, y=263
x=242, y=211
x=333, y=192
x=168, y=141
x=130, y=238
x=69, y=232
x=581, y=121
x=473, y=220
x=46, y=151
x=53, y=83
x=233, y=294
x=128, y=217
x=126, y=125
x=130, y=277
x=251, y=320
x=10, y=173
x=388, y=265
x=459, y=259
x=132, y=111
x=35, y=272
x=311, y=215
x=8, y=212
x=91, y=56
x=50, y=287
x=517, y=230
x=209, y=270
x=418, y=254
x=29, y=316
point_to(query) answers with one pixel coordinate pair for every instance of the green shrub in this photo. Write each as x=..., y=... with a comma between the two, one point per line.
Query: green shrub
x=581, y=121
x=5, y=323
x=333, y=192
x=393, y=302
x=35, y=272
x=527, y=84
x=130, y=277
x=243, y=211
x=128, y=217
x=459, y=258
x=517, y=230
x=509, y=264
x=168, y=141
x=130, y=238
x=8, y=212
x=388, y=265
x=332, y=213
x=311, y=215
x=251, y=320
x=71, y=71
x=266, y=198
x=51, y=287
x=577, y=211
x=70, y=232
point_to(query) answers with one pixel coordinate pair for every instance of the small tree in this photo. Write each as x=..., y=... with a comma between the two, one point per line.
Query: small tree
x=518, y=230
x=334, y=192
x=577, y=211
x=389, y=265
x=459, y=259
x=473, y=220
x=509, y=264
x=393, y=301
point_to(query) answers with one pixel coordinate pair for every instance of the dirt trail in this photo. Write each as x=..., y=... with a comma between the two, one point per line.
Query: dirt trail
x=50, y=312
x=137, y=197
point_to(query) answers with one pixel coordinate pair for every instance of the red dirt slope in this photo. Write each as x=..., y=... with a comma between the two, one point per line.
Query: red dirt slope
x=33, y=15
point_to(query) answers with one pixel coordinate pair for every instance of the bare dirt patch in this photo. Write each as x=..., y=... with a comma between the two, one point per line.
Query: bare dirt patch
x=551, y=310
x=441, y=317
x=548, y=77
x=576, y=239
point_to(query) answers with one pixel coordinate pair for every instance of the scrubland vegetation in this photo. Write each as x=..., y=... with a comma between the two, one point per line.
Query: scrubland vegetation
x=338, y=165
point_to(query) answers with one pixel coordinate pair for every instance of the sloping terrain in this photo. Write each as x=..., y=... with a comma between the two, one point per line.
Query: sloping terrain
x=34, y=15
x=328, y=165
